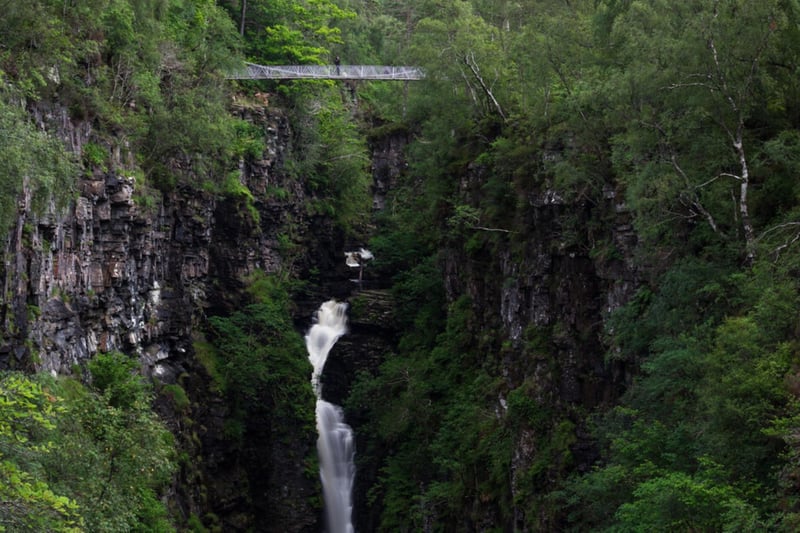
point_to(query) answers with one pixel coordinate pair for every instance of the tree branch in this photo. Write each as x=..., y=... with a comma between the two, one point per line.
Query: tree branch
x=483, y=228
x=476, y=72
x=695, y=201
x=776, y=228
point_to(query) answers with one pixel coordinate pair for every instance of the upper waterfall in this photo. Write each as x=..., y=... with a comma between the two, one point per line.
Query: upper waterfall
x=330, y=324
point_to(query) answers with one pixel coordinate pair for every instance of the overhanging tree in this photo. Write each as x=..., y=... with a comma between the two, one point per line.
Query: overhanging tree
x=697, y=80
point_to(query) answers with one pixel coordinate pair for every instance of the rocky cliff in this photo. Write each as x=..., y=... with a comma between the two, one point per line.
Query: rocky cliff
x=135, y=270
x=540, y=288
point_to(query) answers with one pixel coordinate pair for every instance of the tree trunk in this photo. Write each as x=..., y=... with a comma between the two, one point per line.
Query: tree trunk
x=244, y=14
x=744, y=212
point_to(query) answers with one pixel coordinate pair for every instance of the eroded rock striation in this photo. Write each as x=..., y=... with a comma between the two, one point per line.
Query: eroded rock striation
x=136, y=270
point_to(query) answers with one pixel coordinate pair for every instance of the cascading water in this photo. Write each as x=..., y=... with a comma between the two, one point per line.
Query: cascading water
x=335, y=442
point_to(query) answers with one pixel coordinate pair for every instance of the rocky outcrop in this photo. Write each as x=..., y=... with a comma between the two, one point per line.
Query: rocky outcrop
x=542, y=291
x=132, y=269
x=136, y=270
x=388, y=144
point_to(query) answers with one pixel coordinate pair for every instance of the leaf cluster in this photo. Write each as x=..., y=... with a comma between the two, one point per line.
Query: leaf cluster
x=34, y=165
x=260, y=358
x=695, y=443
x=330, y=156
x=78, y=458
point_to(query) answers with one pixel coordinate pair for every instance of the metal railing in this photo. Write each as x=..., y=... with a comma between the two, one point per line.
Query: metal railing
x=327, y=72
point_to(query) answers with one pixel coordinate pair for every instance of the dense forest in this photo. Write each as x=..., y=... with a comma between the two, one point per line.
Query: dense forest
x=592, y=250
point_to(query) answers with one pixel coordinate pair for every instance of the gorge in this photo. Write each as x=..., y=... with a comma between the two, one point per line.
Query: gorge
x=560, y=272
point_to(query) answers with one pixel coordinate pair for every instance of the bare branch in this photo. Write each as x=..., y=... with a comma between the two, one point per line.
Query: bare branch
x=684, y=85
x=694, y=200
x=476, y=72
x=483, y=228
x=777, y=228
x=776, y=252
x=469, y=87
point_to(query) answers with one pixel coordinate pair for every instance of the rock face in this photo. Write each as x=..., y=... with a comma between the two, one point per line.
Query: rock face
x=132, y=270
x=541, y=291
x=554, y=282
x=388, y=164
x=136, y=270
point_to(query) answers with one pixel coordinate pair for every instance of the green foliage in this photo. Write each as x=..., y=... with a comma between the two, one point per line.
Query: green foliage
x=36, y=46
x=28, y=412
x=287, y=32
x=249, y=140
x=149, y=70
x=666, y=112
x=437, y=413
x=207, y=355
x=115, y=376
x=288, y=46
x=695, y=442
x=193, y=127
x=32, y=161
x=656, y=107
x=94, y=155
x=676, y=501
x=330, y=156
x=237, y=191
x=690, y=145
x=178, y=396
x=260, y=357
x=72, y=461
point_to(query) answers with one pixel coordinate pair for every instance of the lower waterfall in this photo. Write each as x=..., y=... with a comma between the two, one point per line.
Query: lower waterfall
x=335, y=442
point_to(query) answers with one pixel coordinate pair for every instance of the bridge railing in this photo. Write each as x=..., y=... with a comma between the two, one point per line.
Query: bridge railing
x=328, y=72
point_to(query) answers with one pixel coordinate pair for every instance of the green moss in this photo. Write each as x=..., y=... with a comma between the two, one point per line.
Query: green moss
x=277, y=193
x=34, y=312
x=178, y=396
x=235, y=189
x=234, y=429
x=94, y=155
x=385, y=131
x=195, y=525
x=206, y=354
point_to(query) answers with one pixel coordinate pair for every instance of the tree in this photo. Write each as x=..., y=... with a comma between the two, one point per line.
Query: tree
x=285, y=32
x=699, y=78
x=459, y=48
x=112, y=453
x=262, y=360
x=27, y=502
x=34, y=166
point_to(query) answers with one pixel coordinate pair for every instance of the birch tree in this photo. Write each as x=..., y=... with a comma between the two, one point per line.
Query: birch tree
x=697, y=80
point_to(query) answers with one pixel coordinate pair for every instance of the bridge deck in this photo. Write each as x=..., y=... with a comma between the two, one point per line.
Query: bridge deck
x=327, y=72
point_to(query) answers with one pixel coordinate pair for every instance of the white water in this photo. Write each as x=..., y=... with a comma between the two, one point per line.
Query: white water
x=335, y=442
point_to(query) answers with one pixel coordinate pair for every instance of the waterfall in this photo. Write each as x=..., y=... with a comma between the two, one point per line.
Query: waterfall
x=335, y=442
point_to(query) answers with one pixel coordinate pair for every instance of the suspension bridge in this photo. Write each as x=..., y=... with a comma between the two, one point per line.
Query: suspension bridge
x=327, y=72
